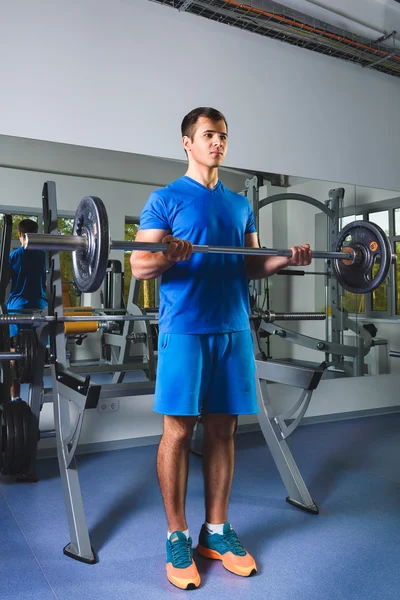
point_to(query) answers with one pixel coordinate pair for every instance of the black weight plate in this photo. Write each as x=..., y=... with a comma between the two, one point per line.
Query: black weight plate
x=2, y=437
x=30, y=435
x=20, y=348
x=90, y=265
x=26, y=345
x=19, y=441
x=371, y=242
x=8, y=440
x=4, y=394
x=33, y=347
x=28, y=358
x=5, y=366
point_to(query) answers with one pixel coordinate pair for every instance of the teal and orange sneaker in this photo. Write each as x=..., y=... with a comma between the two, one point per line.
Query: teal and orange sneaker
x=181, y=568
x=226, y=547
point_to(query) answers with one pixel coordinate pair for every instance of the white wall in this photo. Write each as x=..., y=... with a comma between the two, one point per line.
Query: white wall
x=120, y=75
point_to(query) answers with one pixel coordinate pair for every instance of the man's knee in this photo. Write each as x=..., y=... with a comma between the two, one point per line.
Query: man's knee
x=179, y=428
x=221, y=427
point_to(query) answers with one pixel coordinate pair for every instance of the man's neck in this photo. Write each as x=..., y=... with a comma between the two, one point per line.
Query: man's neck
x=204, y=175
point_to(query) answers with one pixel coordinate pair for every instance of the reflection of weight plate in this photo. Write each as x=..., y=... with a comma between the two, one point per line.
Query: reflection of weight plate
x=365, y=236
x=90, y=265
x=16, y=430
x=26, y=345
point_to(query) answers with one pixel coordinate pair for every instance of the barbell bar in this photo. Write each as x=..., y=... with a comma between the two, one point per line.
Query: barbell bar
x=35, y=320
x=359, y=247
x=4, y=356
x=73, y=243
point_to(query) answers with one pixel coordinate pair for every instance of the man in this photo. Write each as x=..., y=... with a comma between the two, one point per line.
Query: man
x=205, y=352
x=28, y=286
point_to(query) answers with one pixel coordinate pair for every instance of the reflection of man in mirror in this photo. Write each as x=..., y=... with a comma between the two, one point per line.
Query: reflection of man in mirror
x=205, y=352
x=28, y=286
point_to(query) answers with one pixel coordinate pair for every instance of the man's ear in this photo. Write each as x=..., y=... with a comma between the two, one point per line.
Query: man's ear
x=187, y=142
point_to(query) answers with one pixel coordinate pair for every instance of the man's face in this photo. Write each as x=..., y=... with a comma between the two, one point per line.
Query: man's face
x=209, y=144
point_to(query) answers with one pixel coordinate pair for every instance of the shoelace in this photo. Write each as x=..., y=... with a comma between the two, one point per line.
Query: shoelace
x=232, y=539
x=181, y=554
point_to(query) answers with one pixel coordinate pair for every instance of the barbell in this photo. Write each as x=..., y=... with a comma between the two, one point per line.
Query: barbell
x=360, y=246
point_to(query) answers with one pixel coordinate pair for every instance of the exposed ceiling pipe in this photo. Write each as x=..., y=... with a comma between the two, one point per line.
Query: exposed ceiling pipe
x=276, y=21
x=321, y=32
x=332, y=15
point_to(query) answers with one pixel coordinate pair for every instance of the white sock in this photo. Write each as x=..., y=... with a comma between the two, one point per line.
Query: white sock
x=186, y=532
x=215, y=528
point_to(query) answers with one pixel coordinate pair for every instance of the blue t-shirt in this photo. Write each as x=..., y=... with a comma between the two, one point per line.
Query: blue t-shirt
x=209, y=292
x=28, y=279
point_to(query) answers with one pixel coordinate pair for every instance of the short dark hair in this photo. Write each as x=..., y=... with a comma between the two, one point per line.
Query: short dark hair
x=27, y=226
x=190, y=120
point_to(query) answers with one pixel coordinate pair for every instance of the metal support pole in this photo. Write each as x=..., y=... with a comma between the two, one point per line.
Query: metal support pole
x=79, y=546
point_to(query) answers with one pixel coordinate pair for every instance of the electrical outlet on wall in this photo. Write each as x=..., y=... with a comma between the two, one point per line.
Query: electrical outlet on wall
x=107, y=406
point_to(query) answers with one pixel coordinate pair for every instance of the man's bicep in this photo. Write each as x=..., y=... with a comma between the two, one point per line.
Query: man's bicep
x=151, y=235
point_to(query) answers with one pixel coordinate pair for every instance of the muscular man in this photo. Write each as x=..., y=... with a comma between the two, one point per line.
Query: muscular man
x=28, y=286
x=205, y=352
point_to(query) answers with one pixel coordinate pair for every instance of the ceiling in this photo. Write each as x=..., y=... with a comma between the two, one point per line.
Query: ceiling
x=365, y=32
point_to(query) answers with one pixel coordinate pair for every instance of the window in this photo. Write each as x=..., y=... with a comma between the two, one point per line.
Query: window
x=15, y=220
x=70, y=298
x=147, y=289
x=380, y=298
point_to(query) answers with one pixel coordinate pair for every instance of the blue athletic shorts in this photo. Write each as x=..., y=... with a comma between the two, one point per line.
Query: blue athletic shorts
x=211, y=373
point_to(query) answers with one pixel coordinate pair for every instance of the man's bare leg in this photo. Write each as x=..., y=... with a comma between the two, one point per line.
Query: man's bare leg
x=173, y=468
x=218, y=455
x=218, y=464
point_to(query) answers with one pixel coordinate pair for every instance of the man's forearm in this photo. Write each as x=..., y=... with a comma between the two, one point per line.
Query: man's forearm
x=149, y=265
x=259, y=267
